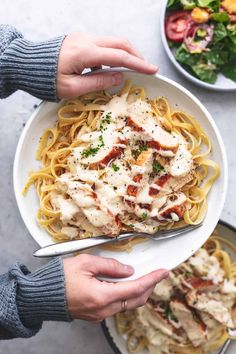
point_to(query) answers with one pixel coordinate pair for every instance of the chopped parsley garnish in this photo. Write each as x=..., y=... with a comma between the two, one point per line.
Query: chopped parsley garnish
x=141, y=147
x=156, y=167
x=115, y=167
x=144, y=216
x=91, y=151
x=131, y=225
x=105, y=120
x=101, y=141
x=169, y=314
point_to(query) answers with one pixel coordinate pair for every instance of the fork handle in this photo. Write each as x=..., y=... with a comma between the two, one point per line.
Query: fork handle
x=59, y=249
x=225, y=347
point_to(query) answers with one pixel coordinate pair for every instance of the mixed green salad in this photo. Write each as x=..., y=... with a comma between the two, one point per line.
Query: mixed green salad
x=203, y=34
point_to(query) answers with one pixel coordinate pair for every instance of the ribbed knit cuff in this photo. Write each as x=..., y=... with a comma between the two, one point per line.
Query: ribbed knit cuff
x=31, y=67
x=41, y=295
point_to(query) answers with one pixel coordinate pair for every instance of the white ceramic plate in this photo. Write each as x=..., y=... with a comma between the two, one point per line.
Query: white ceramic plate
x=117, y=341
x=150, y=255
x=222, y=83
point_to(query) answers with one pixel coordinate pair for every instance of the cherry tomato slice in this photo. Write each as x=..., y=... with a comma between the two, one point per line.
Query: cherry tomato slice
x=176, y=25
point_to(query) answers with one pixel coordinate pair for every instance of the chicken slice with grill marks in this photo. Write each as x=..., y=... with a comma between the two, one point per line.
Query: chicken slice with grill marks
x=203, y=302
x=157, y=138
x=160, y=322
x=174, y=209
x=196, y=330
x=168, y=184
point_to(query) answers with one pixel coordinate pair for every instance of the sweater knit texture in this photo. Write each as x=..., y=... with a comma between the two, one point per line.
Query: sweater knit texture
x=28, y=66
x=27, y=299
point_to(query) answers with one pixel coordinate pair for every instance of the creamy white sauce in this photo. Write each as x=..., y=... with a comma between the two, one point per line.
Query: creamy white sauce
x=102, y=184
x=208, y=266
x=67, y=207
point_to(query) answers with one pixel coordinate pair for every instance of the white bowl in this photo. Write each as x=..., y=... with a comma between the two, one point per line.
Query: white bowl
x=222, y=83
x=117, y=341
x=149, y=255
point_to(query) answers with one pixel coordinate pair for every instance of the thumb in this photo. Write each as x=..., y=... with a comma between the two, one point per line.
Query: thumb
x=111, y=267
x=82, y=84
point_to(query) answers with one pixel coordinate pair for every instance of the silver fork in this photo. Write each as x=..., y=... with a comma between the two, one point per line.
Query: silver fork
x=232, y=332
x=67, y=247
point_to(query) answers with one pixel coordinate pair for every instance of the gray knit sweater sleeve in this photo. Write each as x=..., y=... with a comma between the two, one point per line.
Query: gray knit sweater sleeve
x=27, y=299
x=28, y=66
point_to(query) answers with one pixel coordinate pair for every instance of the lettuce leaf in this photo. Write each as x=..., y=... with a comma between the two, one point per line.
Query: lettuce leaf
x=188, y=4
x=184, y=57
x=229, y=70
x=173, y=4
x=232, y=33
x=212, y=4
x=220, y=32
x=220, y=17
x=205, y=72
x=216, y=57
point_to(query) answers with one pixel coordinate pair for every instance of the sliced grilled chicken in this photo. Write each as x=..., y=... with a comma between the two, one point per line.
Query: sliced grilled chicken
x=163, y=325
x=68, y=208
x=145, y=159
x=145, y=162
x=105, y=156
x=195, y=330
x=70, y=231
x=176, y=207
x=102, y=219
x=157, y=138
x=167, y=184
x=202, y=285
x=182, y=163
x=104, y=148
x=209, y=321
x=205, y=303
x=96, y=212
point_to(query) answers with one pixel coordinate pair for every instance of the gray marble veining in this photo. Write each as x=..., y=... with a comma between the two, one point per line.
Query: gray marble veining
x=137, y=20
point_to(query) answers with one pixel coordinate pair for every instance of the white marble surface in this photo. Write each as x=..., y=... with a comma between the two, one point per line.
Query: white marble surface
x=138, y=21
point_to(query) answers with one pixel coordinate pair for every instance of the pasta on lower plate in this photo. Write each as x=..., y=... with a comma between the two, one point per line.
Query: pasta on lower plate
x=121, y=162
x=191, y=310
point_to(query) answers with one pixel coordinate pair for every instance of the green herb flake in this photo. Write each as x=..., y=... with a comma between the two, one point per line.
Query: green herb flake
x=144, y=216
x=156, y=167
x=105, y=120
x=169, y=314
x=101, y=141
x=91, y=151
x=115, y=167
x=141, y=147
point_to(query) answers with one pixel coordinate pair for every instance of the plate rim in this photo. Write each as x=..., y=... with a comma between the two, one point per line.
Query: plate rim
x=104, y=326
x=178, y=66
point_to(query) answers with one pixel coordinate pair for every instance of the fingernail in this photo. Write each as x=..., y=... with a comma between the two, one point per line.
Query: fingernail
x=152, y=67
x=117, y=79
x=128, y=269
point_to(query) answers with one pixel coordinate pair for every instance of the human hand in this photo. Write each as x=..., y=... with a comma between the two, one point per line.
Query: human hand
x=93, y=300
x=80, y=51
